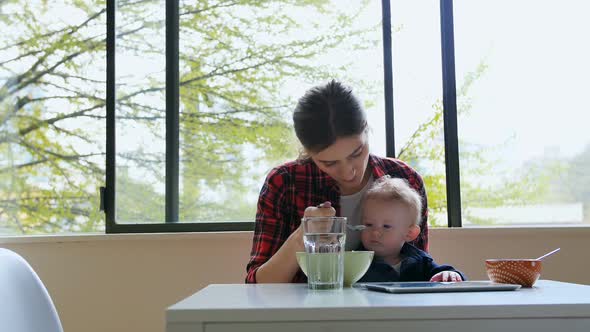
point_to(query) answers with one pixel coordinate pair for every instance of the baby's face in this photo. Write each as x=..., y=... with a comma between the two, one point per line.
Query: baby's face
x=388, y=224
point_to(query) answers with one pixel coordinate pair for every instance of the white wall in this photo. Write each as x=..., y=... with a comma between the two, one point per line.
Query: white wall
x=125, y=282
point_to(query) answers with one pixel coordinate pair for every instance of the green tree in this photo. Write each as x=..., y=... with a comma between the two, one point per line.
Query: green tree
x=572, y=182
x=236, y=58
x=234, y=115
x=425, y=150
x=52, y=167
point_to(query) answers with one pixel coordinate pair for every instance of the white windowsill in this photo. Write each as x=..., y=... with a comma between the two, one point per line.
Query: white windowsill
x=92, y=237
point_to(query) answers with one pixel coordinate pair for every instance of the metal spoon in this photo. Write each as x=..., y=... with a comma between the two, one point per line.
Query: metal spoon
x=356, y=227
x=548, y=254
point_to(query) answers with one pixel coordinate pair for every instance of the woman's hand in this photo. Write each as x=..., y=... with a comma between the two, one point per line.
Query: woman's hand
x=323, y=210
x=446, y=276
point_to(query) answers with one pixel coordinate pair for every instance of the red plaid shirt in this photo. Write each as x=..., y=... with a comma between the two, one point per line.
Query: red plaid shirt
x=293, y=186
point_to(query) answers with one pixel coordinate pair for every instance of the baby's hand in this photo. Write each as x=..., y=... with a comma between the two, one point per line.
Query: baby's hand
x=446, y=276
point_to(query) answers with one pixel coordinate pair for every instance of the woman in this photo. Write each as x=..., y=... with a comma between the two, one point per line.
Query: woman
x=328, y=180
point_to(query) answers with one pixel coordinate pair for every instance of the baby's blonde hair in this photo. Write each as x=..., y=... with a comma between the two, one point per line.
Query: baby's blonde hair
x=396, y=190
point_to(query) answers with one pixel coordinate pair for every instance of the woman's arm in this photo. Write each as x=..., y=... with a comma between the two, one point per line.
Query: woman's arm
x=416, y=181
x=273, y=257
x=282, y=266
x=271, y=231
x=422, y=240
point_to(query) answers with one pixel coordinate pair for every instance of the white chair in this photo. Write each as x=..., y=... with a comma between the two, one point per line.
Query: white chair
x=25, y=304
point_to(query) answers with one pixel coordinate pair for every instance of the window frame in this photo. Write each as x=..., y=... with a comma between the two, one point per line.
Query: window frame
x=171, y=222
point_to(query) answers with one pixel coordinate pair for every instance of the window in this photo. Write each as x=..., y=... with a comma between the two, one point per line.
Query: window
x=140, y=112
x=196, y=106
x=523, y=114
x=52, y=128
x=197, y=162
x=417, y=93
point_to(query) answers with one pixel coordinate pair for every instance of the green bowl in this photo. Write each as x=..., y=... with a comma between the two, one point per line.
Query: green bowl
x=356, y=264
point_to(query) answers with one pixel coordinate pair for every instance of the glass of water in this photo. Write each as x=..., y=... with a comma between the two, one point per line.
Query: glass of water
x=324, y=239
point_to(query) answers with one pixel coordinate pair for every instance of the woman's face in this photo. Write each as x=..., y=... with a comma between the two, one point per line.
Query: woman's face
x=346, y=162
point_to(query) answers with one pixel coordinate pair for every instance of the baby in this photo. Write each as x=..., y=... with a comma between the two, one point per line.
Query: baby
x=391, y=215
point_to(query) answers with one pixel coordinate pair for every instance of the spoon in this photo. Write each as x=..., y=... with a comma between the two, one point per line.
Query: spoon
x=356, y=227
x=548, y=254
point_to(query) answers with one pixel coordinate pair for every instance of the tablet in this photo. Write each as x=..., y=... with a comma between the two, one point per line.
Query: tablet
x=436, y=287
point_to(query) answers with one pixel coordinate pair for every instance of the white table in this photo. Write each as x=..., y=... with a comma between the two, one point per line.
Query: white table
x=549, y=306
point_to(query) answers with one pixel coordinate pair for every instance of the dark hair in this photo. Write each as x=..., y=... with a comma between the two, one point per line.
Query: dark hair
x=326, y=113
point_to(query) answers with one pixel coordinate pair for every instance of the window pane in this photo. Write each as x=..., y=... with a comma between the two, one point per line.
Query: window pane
x=417, y=95
x=140, y=111
x=243, y=65
x=52, y=127
x=522, y=69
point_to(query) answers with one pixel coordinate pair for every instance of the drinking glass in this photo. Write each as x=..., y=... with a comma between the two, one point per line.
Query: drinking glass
x=324, y=239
